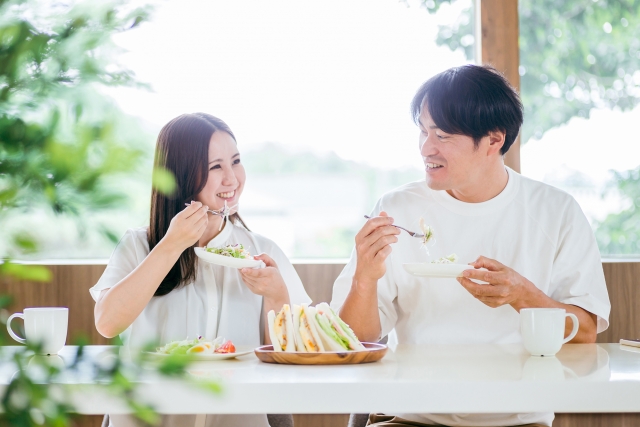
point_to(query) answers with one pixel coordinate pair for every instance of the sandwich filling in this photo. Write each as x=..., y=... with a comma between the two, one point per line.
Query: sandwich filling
x=280, y=327
x=336, y=329
x=308, y=340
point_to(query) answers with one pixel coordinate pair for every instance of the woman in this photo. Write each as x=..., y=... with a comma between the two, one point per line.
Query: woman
x=154, y=288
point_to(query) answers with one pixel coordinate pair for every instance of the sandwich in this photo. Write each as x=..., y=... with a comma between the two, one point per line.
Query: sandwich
x=281, y=330
x=310, y=330
x=334, y=333
x=306, y=333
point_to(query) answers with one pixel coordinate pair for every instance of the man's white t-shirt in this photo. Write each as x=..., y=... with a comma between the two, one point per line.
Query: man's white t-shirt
x=534, y=228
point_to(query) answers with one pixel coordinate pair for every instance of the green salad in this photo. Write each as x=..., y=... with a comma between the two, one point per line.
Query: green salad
x=451, y=259
x=233, y=251
x=194, y=346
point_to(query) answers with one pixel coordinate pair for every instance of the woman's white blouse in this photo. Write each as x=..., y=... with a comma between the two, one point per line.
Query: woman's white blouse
x=217, y=303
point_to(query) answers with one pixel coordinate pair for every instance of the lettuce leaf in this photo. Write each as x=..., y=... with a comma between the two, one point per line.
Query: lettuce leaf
x=328, y=329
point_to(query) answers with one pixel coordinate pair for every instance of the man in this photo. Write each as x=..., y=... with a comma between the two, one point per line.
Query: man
x=532, y=241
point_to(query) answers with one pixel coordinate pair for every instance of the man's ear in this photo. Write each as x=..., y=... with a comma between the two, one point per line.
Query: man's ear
x=496, y=141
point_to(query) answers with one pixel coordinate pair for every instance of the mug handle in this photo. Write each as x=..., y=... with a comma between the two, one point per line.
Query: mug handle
x=13, y=334
x=576, y=325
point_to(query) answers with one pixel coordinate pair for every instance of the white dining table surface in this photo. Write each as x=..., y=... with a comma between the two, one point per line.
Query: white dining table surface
x=410, y=379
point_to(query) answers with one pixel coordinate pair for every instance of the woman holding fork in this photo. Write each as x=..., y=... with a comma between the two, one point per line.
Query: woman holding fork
x=154, y=288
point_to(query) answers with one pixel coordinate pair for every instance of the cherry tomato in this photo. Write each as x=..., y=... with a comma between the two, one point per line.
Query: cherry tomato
x=227, y=347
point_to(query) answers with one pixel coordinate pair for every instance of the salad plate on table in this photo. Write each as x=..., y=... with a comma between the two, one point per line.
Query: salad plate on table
x=234, y=256
x=201, y=350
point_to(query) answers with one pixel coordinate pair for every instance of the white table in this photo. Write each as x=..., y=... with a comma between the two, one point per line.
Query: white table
x=411, y=379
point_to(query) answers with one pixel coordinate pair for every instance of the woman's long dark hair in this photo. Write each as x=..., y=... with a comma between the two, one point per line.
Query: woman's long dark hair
x=183, y=149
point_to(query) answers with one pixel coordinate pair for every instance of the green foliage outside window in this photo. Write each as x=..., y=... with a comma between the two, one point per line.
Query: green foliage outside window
x=61, y=141
x=575, y=56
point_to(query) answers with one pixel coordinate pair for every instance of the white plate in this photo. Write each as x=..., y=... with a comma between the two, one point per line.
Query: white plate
x=214, y=356
x=227, y=261
x=436, y=270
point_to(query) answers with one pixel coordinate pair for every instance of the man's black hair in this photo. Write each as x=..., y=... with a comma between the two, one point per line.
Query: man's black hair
x=471, y=100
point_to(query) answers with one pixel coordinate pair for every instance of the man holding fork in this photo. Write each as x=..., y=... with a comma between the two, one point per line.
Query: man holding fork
x=529, y=241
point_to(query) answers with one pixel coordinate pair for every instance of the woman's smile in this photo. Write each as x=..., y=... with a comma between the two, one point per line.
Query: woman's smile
x=229, y=195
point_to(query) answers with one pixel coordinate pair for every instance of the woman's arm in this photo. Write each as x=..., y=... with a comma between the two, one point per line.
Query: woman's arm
x=118, y=306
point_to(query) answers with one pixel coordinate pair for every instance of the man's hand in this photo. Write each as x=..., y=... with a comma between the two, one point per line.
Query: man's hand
x=505, y=285
x=372, y=248
x=360, y=308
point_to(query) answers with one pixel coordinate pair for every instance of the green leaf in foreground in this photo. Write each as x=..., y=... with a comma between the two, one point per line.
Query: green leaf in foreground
x=163, y=180
x=32, y=273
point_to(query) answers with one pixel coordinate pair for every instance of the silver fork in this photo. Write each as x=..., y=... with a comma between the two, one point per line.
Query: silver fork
x=208, y=210
x=411, y=233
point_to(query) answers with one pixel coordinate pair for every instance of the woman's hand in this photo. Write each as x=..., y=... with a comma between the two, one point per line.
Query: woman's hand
x=266, y=281
x=187, y=227
x=269, y=283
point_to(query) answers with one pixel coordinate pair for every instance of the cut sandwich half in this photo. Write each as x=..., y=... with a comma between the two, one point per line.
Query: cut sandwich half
x=307, y=332
x=281, y=330
x=296, y=328
x=335, y=334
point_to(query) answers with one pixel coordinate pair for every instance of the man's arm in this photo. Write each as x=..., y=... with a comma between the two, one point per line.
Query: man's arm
x=506, y=286
x=360, y=309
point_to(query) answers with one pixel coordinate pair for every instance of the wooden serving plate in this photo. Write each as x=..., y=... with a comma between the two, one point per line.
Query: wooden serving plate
x=373, y=353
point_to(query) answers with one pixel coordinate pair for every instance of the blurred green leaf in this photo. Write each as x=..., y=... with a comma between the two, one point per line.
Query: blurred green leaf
x=81, y=340
x=145, y=413
x=163, y=180
x=32, y=273
x=25, y=242
x=5, y=300
x=211, y=386
x=110, y=235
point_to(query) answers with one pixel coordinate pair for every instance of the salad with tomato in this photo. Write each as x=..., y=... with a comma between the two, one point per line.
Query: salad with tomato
x=198, y=346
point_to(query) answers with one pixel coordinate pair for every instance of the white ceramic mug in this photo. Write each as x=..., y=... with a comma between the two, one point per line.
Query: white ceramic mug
x=542, y=330
x=44, y=325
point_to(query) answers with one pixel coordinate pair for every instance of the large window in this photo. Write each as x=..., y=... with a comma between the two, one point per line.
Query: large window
x=580, y=85
x=317, y=94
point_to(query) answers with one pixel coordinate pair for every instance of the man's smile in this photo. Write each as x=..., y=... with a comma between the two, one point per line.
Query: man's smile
x=433, y=165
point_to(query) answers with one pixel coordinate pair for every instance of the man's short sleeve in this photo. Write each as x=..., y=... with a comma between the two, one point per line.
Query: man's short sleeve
x=577, y=277
x=387, y=291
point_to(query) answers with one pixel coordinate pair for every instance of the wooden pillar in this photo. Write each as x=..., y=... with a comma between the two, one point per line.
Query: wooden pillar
x=497, y=44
